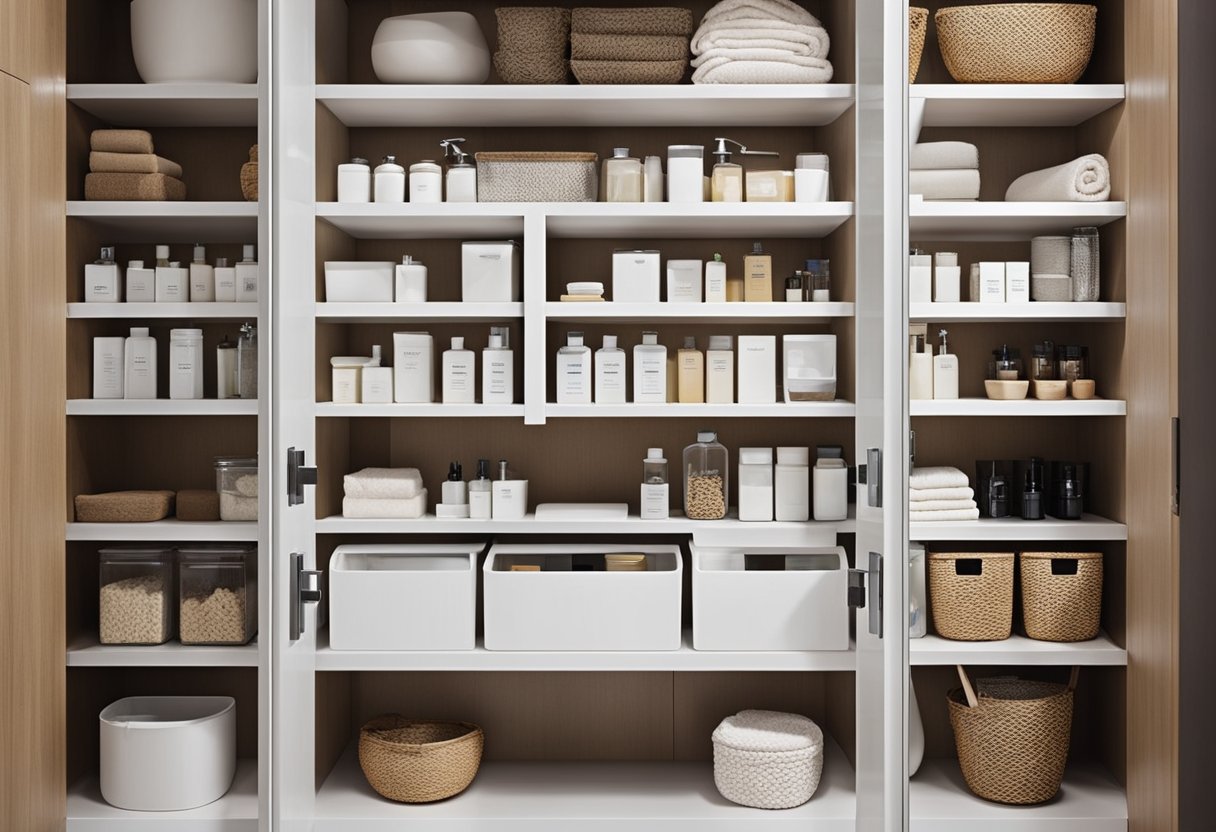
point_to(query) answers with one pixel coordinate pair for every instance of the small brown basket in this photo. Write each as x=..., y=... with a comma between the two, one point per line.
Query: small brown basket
x=419, y=761
x=972, y=595
x=249, y=176
x=533, y=29
x=1017, y=43
x=1012, y=737
x=918, y=25
x=537, y=176
x=1061, y=595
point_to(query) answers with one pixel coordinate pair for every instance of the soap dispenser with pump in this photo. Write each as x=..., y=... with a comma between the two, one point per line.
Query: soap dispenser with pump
x=455, y=494
x=623, y=179
x=727, y=179
x=461, y=178
x=945, y=370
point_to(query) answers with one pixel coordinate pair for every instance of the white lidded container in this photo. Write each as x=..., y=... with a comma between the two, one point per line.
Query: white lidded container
x=185, y=363
x=684, y=281
x=358, y=282
x=489, y=271
x=409, y=285
x=559, y=608
x=403, y=597
x=355, y=181
x=389, y=181
x=635, y=276
x=167, y=753
x=685, y=173
x=426, y=182
x=756, y=484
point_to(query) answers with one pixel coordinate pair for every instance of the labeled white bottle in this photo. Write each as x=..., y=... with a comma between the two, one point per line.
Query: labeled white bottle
x=185, y=363
x=497, y=370
x=455, y=495
x=225, y=281
x=480, y=492
x=653, y=179
x=610, y=373
x=409, y=282
x=920, y=364
x=139, y=365
x=107, y=367
x=103, y=279
x=574, y=371
x=715, y=280
x=461, y=182
x=459, y=386
x=389, y=181
x=720, y=371
x=650, y=370
x=247, y=276
x=141, y=283
x=426, y=182
x=172, y=281
x=792, y=485
x=202, y=278
x=945, y=371
x=655, y=497
x=355, y=181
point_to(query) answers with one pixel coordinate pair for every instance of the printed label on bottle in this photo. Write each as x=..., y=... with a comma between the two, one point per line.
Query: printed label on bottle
x=652, y=375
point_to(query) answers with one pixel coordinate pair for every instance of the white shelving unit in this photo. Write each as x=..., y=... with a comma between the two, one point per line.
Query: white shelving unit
x=162, y=407
x=1015, y=105
x=168, y=105
x=691, y=313
x=329, y=410
x=1089, y=527
x=781, y=410
x=1029, y=312
x=1017, y=650
x=150, y=311
x=1023, y=407
x=173, y=222
x=88, y=653
x=437, y=312
x=929, y=220
x=166, y=531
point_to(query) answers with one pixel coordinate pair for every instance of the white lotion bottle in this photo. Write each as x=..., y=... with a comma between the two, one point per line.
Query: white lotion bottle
x=185, y=363
x=574, y=371
x=480, y=492
x=461, y=182
x=389, y=181
x=141, y=283
x=650, y=370
x=247, y=276
x=409, y=282
x=720, y=371
x=107, y=367
x=455, y=494
x=225, y=281
x=103, y=279
x=610, y=373
x=172, y=281
x=497, y=371
x=458, y=374
x=715, y=280
x=139, y=365
x=202, y=278
x=945, y=371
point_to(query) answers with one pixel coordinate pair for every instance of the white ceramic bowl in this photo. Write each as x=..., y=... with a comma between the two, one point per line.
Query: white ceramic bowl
x=187, y=41
x=433, y=48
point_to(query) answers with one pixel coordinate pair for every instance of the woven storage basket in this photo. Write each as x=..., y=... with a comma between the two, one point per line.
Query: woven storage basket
x=1012, y=737
x=1061, y=594
x=585, y=47
x=767, y=759
x=419, y=761
x=533, y=29
x=1017, y=43
x=537, y=177
x=655, y=20
x=515, y=67
x=918, y=24
x=972, y=607
x=249, y=176
x=628, y=72
x=124, y=507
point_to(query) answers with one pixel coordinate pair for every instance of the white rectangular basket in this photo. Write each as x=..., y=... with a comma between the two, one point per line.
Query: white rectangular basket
x=537, y=177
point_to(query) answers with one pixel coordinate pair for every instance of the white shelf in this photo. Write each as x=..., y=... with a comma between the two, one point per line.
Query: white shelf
x=410, y=221
x=781, y=410
x=171, y=222
x=692, y=313
x=1014, y=105
x=564, y=796
x=1089, y=528
x=1005, y=220
x=706, y=220
x=147, y=311
x=329, y=410
x=1017, y=650
x=1089, y=801
x=1021, y=407
x=997, y=312
x=236, y=811
x=162, y=407
x=169, y=105
x=164, y=531
x=439, y=312
x=673, y=105
x=88, y=653
x=684, y=659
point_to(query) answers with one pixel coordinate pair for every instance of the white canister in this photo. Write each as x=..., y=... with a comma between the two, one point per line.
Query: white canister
x=413, y=368
x=426, y=182
x=792, y=484
x=509, y=499
x=462, y=183
x=812, y=181
x=635, y=276
x=756, y=484
x=684, y=281
x=409, y=286
x=185, y=363
x=390, y=181
x=355, y=181
x=830, y=490
x=685, y=173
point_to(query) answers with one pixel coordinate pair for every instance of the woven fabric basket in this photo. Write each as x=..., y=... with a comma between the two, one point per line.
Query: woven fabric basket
x=655, y=20
x=1017, y=43
x=972, y=607
x=537, y=177
x=518, y=67
x=413, y=761
x=1061, y=595
x=1012, y=736
x=767, y=759
x=918, y=25
x=124, y=507
x=628, y=72
x=249, y=176
x=533, y=29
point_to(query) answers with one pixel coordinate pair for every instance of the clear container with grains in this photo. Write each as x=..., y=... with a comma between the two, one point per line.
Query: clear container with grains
x=236, y=479
x=136, y=596
x=219, y=594
x=706, y=464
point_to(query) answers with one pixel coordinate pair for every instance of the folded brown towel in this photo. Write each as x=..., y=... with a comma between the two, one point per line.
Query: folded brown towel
x=198, y=505
x=124, y=507
x=147, y=187
x=103, y=162
x=586, y=47
x=121, y=141
x=643, y=21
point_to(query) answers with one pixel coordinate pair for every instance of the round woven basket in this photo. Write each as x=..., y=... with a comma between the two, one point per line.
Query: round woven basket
x=1017, y=43
x=413, y=761
x=530, y=67
x=1061, y=595
x=249, y=176
x=972, y=607
x=918, y=24
x=533, y=29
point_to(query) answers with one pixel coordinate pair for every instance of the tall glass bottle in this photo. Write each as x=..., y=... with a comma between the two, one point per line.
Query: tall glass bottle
x=706, y=466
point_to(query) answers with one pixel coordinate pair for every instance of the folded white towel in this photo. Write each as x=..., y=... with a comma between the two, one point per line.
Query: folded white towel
x=756, y=33
x=410, y=509
x=944, y=184
x=803, y=70
x=944, y=156
x=939, y=477
x=921, y=495
x=383, y=484
x=942, y=505
x=1082, y=180
x=943, y=516
x=782, y=10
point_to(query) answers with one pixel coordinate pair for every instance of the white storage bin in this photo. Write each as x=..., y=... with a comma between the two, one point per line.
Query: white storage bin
x=803, y=607
x=559, y=608
x=358, y=282
x=167, y=753
x=490, y=272
x=403, y=597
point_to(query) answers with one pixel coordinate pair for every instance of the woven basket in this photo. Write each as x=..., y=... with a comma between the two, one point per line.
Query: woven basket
x=419, y=761
x=657, y=20
x=1012, y=737
x=767, y=759
x=533, y=29
x=972, y=607
x=918, y=24
x=518, y=67
x=249, y=176
x=1064, y=606
x=537, y=177
x=628, y=72
x=124, y=507
x=1017, y=43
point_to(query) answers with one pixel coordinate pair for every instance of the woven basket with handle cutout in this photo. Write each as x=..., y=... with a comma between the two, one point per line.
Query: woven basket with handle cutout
x=1061, y=595
x=419, y=761
x=971, y=595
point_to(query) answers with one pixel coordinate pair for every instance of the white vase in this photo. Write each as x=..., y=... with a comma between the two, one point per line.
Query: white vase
x=433, y=48
x=187, y=41
x=916, y=732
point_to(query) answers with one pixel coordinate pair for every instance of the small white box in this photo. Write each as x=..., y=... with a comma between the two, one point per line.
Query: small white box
x=509, y=499
x=489, y=271
x=803, y=607
x=946, y=284
x=358, y=282
x=141, y=283
x=635, y=277
x=561, y=609
x=377, y=385
x=1017, y=282
x=757, y=364
x=684, y=281
x=103, y=283
x=413, y=368
x=920, y=278
x=367, y=585
x=347, y=384
x=992, y=282
x=830, y=490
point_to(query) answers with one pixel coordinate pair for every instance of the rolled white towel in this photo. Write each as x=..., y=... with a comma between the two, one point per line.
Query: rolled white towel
x=943, y=516
x=1082, y=180
x=939, y=477
x=748, y=33
x=383, y=484
x=410, y=509
x=944, y=184
x=782, y=10
x=942, y=505
x=804, y=70
x=944, y=156
x=922, y=495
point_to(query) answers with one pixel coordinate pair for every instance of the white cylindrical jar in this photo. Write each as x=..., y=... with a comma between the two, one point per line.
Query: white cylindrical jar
x=185, y=364
x=811, y=178
x=390, y=181
x=756, y=484
x=462, y=183
x=426, y=182
x=685, y=173
x=355, y=181
x=792, y=484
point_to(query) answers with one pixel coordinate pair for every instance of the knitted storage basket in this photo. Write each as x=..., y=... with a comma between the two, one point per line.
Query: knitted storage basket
x=1061, y=595
x=533, y=29
x=666, y=20
x=537, y=177
x=918, y=25
x=530, y=67
x=628, y=72
x=972, y=595
x=1012, y=736
x=249, y=176
x=1017, y=43
x=419, y=761
x=767, y=759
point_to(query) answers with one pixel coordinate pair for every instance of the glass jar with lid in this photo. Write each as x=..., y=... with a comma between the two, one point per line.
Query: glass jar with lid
x=218, y=591
x=1072, y=363
x=706, y=477
x=1006, y=364
x=1043, y=362
x=236, y=479
x=818, y=282
x=136, y=595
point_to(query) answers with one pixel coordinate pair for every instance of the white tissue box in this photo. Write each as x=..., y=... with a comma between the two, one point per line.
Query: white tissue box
x=358, y=282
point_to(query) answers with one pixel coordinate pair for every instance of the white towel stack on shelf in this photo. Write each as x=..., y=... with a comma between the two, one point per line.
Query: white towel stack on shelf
x=384, y=494
x=1086, y=179
x=940, y=494
x=945, y=171
x=760, y=42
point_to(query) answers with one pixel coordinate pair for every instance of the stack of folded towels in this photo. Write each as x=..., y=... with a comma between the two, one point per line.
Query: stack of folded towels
x=945, y=171
x=384, y=494
x=760, y=42
x=584, y=291
x=629, y=46
x=940, y=494
x=123, y=165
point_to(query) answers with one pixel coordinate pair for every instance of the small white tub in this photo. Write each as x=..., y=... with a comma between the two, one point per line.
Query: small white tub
x=358, y=282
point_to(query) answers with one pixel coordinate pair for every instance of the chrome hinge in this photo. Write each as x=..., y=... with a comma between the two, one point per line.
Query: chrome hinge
x=874, y=476
x=298, y=476
x=305, y=589
x=1176, y=441
x=857, y=589
x=865, y=592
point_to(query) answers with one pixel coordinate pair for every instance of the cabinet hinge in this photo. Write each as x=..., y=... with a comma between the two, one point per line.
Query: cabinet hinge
x=874, y=477
x=865, y=592
x=298, y=476
x=305, y=589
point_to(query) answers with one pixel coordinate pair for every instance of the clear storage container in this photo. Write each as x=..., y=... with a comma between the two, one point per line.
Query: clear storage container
x=219, y=594
x=705, y=478
x=136, y=600
x=236, y=479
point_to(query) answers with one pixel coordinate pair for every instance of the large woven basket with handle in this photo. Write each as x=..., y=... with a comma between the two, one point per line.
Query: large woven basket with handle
x=413, y=761
x=1017, y=43
x=971, y=595
x=1061, y=595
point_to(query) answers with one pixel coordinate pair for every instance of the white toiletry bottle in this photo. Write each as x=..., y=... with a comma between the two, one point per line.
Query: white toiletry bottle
x=455, y=495
x=655, y=498
x=947, y=277
x=355, y=181
x=623, y=177
x=653, y=179
x=498, y=369
x=459, y=386
x=225, y=370
x=509, y=495
x=172, y=281
x=202, y=278
x=461, y=183
x=574, y=371
x=715, y=280
x=684, y=281
x=685, y=173
x=945, y=371
x=103, y=279
x=377, y=381
x=610, y=373
x=920, y=364
x=389, y=181
x=792, y=485
x=185, y=363
x=107, y=368
x=413, y=368
x=920, y=277
x=690, y=372
x=756, y=484
x=720, y=371
x=247, y=276
x=139, y=365
x=141, y=283
x=409, y=283
x=225, y=281
x=480, y=492
x=426, y=182
x=650, y=370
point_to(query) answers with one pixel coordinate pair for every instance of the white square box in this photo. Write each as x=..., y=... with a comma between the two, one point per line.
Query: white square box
x=635, y=276
x=557, y=609
x=403, y=597
x=795, y=609
x=489, y=271
x=358, y=282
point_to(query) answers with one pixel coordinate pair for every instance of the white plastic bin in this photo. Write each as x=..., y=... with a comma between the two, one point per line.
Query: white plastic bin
x=560, y=608
x=403, y=597
x=167, y=753
x=358, y=282
x=803, y=606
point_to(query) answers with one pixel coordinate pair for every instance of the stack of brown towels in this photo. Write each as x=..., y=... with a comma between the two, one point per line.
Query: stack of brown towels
x=123, y=165
x=629, y=46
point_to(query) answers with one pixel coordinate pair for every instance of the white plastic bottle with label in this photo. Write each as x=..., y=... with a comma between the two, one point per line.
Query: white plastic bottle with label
x=650, y=370
x=413, y=369
x=720, y=371
x=426, y=182
x=225, y=281
x=107, y=367
x=655, y=496
x=247, y=276
x=202, y=278
x=497, y=371
x=141, y=283
x=792, y=485
x=185, y=363
x=574, y=371
x=139, y=365
x=355, y=181
x=459, y=386
x=409, y=283
x=103, y=279
x=461, y=181
x=715, y=280
x=920, y=364
x=480, y=492
x=389, y=181
x=610, y=373
x=172, y=281
x=945, y=371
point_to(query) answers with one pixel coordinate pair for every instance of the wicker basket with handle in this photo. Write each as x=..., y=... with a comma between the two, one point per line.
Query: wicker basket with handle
x=972, y=595
x=419, y=761
x=1017, y=43
x=1061, y=595
x=537, y=177
x=918, y=25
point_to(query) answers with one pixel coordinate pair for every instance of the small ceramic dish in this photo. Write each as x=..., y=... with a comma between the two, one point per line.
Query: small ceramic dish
x=1006, y=390
x=1083, y=388
x=1052, y=390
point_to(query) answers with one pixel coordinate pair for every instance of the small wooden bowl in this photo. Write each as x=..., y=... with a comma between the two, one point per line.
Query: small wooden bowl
x=1083, y=388
x=1051, y=390
x=1006, y=390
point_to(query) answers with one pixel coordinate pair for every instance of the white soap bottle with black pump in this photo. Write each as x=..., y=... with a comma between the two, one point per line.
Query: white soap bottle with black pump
x=480, y=492
x=656, y=490
x=461, y=179
x=945, y=371
x=455, y=495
